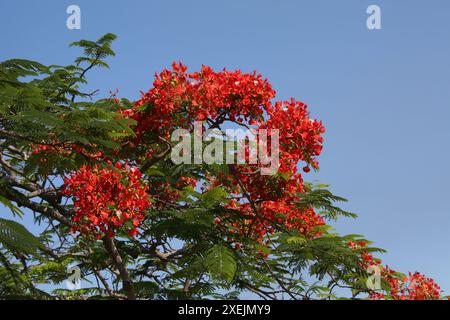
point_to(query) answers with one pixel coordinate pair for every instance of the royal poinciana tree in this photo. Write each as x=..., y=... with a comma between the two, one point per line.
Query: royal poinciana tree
x=98, y=178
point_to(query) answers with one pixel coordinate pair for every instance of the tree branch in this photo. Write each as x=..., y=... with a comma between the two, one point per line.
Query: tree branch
x=127, y=283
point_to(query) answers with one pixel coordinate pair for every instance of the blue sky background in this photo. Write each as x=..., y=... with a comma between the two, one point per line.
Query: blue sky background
x=383, y=95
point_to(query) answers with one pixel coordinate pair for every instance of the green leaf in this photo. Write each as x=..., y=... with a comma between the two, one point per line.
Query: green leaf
x=297, y=240
x=221, y=262
x=16, y=237
x=152, y=171
x=15, y=210
x=215, y=194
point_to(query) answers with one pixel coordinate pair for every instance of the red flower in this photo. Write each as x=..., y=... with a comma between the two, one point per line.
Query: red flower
x=107, y=199
x=233, y=95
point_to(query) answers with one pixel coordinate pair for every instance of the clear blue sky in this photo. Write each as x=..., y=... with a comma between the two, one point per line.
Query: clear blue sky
x=384, y=95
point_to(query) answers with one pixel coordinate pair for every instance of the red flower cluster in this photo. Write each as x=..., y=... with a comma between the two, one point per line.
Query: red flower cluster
x=299, y=140
x=184, y=182
x=415, y=286
x=236, y=95
x=270, y=213
x=275, y=196
x=64, y=149
x=178, y=98
x=300, y=136
x=106, y=199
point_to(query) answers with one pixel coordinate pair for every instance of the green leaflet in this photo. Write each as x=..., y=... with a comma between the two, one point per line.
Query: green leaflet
x=16, y=237
x=14, y=209
x=221, y=262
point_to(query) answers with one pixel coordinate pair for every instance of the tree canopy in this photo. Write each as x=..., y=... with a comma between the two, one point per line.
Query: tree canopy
x=98, y=177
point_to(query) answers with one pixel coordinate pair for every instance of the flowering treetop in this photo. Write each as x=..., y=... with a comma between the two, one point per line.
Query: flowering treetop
x=101, y=176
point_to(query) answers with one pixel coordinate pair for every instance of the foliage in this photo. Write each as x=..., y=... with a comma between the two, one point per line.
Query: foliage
x=98, y=178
